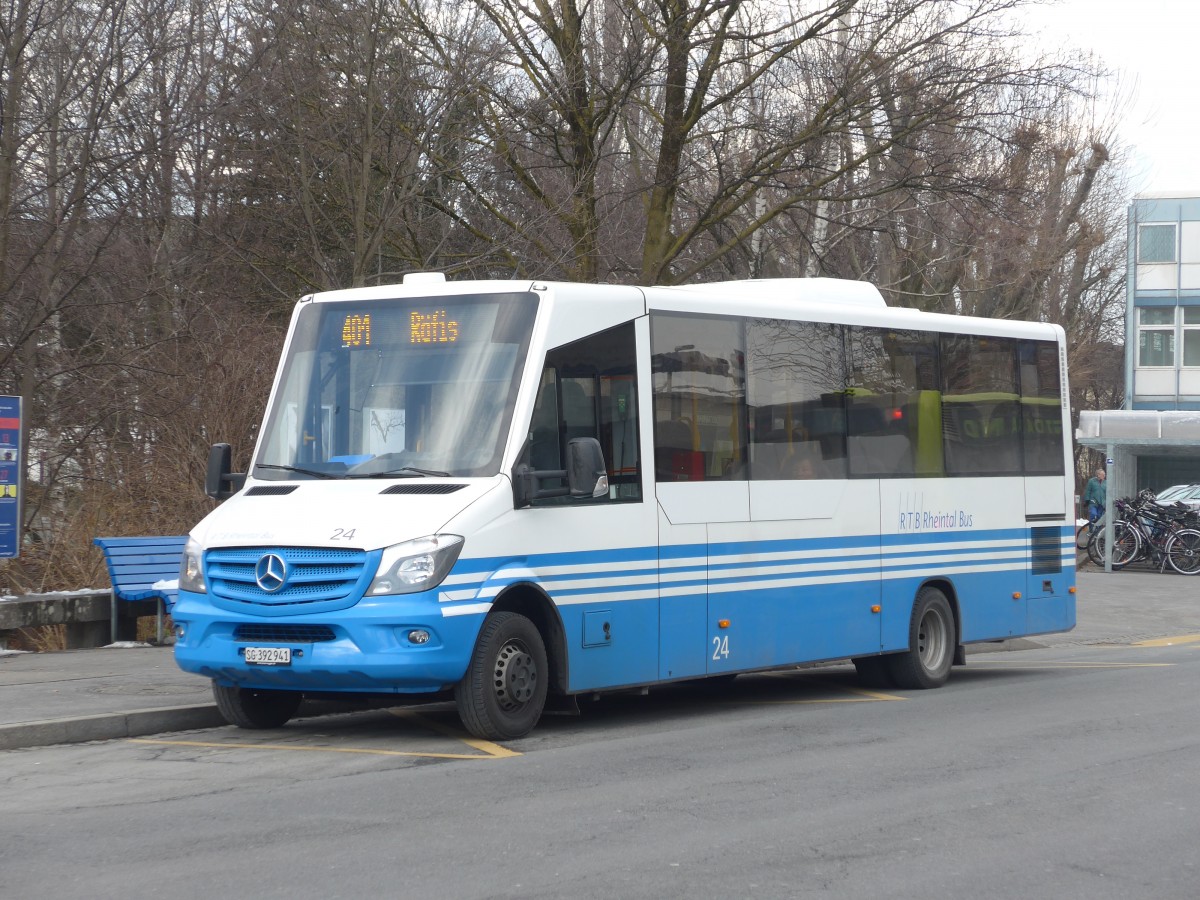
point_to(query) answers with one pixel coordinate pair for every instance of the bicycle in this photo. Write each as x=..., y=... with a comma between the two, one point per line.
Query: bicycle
x=1087, y=531
x=1165, y=535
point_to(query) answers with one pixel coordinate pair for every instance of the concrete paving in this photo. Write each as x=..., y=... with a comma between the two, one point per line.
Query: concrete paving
x=130, y=690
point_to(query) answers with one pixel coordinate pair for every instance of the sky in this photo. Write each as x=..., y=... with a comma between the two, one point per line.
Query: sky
x=1153, y=46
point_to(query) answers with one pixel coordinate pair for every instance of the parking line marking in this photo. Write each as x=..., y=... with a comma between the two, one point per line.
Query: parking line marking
x=493, y=751
x=861, y=695
x=219, y=745
x=1170, y=641
x=1000, y=666
x=487, y=750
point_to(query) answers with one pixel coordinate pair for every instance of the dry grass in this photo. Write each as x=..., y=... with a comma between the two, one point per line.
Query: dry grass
x=50, y=638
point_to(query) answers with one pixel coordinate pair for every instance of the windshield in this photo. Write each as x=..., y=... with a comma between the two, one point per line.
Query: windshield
x=398, y=388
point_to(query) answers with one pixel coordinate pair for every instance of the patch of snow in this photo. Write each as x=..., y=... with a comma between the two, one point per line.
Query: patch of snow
x=126, y=645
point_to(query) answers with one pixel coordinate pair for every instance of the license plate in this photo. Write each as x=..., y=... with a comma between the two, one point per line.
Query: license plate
x=268, y=656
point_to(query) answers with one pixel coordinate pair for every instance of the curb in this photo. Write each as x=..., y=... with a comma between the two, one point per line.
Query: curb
x=108, y=726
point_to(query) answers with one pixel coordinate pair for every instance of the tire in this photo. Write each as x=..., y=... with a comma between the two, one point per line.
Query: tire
x=1127, y=544
x=1084, y=536
x=503, y=693
x=1183, y=551
x=253, y=708
x=931, y=642
x=873, y=671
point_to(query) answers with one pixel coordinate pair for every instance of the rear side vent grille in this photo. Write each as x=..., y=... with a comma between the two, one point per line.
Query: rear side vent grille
x=423, y=489
x=271, y=490
x=1047, y=551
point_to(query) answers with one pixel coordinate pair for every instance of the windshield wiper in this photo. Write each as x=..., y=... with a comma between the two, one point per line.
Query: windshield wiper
x=402, y=472
x=312, y=472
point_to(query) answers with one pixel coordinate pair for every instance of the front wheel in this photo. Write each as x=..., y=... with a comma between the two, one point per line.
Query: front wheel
x=252, y=708
x=931, y=640
x=1183, y=551
x=502, y=695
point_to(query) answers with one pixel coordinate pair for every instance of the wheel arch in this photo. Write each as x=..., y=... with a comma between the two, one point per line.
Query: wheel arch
x=529, y=600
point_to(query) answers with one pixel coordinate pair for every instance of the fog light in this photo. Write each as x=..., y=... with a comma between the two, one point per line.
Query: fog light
x=180, y=631
x=418, y=636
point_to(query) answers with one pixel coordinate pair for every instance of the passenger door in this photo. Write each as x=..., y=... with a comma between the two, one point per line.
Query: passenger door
x=596, y=557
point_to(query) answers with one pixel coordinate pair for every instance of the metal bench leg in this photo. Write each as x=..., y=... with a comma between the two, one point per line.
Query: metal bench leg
x=112, y=618
x=160, y=621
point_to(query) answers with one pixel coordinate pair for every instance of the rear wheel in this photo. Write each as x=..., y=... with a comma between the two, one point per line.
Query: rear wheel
x=252, y=708
x=931, y=641
x=1183, y=551
x=502, y=695
x=1084, y=535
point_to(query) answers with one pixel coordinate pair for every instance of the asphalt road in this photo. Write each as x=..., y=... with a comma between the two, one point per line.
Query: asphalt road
x=1064, y=772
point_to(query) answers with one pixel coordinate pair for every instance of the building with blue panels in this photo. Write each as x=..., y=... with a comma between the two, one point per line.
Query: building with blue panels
x=1162, y=348
x=1154, y=442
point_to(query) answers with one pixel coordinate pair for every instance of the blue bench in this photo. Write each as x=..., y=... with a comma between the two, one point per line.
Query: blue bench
x=136, y=565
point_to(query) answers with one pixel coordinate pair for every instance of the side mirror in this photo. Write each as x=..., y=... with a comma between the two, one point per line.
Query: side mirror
x=219, y=482
x=586, y=474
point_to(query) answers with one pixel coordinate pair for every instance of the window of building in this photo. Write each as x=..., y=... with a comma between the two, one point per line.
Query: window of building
x=1156, y=243
x=1156, y=336
x=1191, y=335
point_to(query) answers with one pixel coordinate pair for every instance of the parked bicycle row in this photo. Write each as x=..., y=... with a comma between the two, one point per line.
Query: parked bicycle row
x=1148, y=530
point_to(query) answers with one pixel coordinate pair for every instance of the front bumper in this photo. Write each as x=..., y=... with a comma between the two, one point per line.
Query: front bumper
x=362, y=649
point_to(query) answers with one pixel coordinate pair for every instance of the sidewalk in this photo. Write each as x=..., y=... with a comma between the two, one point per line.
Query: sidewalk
x=125, y=691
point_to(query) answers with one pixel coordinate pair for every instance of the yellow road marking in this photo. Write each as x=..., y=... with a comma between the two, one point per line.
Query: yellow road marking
x=999, y=666
x=1170, y=641
x=487, y=750
x=862, y=695
x=494, y=751
x=221, y=745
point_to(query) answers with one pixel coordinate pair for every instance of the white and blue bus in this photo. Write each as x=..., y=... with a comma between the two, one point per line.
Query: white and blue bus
x=517, y=492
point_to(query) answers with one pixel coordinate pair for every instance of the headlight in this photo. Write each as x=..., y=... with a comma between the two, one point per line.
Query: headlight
x=416, y=565
x=191, y=569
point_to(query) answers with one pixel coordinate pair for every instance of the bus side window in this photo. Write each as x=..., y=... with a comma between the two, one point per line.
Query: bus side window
x=588, y=389
x=543, y=431
x=698, y=377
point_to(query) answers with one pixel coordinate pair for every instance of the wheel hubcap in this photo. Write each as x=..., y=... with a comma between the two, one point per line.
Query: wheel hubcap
x=515, y=676
x=931, y=641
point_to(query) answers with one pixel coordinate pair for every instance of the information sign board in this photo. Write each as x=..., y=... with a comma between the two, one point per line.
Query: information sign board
x=10, y=476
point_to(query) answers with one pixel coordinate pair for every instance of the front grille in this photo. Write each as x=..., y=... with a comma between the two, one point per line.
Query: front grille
x=283, y=634
x=314, y=575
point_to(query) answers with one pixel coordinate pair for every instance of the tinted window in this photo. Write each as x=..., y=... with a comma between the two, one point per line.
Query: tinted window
x=892, y=403
x=699, y=398
x=981, y=412
x=795, y=389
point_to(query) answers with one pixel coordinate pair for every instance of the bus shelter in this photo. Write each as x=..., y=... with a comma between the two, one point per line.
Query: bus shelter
x=1128, y=439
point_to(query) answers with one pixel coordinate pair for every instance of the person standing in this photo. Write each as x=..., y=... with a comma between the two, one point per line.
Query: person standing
x=1095, y=495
